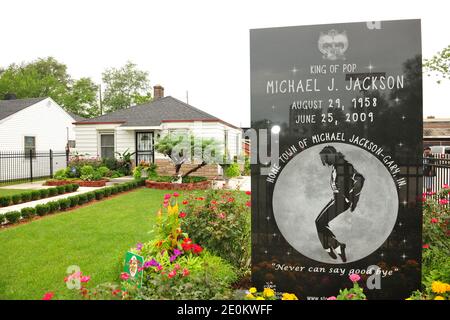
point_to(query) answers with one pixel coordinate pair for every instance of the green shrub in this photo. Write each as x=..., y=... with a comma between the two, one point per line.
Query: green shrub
x=26, y=196
x=74, y=201
x=99, y=194
x=247, y=168
x=64, y=204
x=193, y=179
x=60, y=174
x=75, y=187
x=114, y=189
x=107, y=192
x=52, y=192
x=61, y=189
x=232, y=170
x=53, y=206
x=5, y=201
x=68, y=187
x=103, y=171
x=90, y=196
x=82, y=198
x=13, y=216
x=44, y=193
x=119, y=188
x=35, y=195
x=28, y=213
x=16, y=198
x=221, y=223
x=42, y=209
x=2, y=219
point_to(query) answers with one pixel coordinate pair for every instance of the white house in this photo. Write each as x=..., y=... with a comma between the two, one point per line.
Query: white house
x=36, y=125
x=136, y=129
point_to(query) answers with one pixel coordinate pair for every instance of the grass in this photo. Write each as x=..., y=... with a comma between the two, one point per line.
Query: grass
x=35, y=256
x=10, y=192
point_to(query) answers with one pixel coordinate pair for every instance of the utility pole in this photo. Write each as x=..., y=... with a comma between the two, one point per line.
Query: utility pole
x=187, y=97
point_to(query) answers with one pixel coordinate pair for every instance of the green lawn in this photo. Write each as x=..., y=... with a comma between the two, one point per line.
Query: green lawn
x=34, y=257
x=10, y=192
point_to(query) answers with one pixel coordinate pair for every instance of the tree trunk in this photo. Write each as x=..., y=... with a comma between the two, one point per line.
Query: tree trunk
x=195, y=169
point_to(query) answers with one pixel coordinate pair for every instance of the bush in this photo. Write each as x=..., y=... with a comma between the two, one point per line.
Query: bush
x=114, y=189
x=44, y=193
x=74, y=201
x=28, y=213
x=16, y=198
x=61, y=189
x=5, y=201
x=68, y=187
x=90, y=196
x=99, y=194
x=103, y=171
x=42, y=209
x=60, y=174
x=193, y=179
x=82, y=199
x=2, y=219
x=75, y=187
x=220, y=221
x=64, y=204
x=107, y=192
x=232, y=170
x=13, y=216
x=53, y=206
x=52, y=192
x=26, y=196
x=35, y=195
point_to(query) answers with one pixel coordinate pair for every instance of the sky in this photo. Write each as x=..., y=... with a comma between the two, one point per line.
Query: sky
x=200, y=47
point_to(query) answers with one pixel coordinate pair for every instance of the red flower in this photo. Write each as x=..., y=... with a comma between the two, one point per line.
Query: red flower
x=213, y=202
x=115, y=292
x=230, y=199
x=197, y=249
x=248, y=193
x=182, y=214
x=172, y=274
x=185, y=272
x=434, y=220
x=248, y=203
x=185, y=202
x=124, y=276
x=175, y=194
x=426, y=246
x=48, y=296
x=85, y=278
x=187, y=244
x=200, y=198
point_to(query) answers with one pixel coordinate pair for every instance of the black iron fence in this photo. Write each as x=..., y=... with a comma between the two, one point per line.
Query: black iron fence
x=21, y=166
x=436, y=172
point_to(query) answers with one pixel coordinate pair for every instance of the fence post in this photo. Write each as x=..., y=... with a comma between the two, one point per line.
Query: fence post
x=51, y=163
x=67, y=157
x=31, y=165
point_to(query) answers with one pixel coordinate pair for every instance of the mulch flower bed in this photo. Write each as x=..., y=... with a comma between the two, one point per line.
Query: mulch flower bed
x=81, y=183
x=202, y=185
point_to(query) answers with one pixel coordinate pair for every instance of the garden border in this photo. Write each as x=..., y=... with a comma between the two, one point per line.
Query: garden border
x=202, y=185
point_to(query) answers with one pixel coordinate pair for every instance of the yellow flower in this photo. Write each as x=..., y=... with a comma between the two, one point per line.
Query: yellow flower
x=440, y=287
x=289, y=296
x=439, y=298
x=268, y=293
x=408, y=299
x=250, y=296
x=260, y=298
x=252, y=290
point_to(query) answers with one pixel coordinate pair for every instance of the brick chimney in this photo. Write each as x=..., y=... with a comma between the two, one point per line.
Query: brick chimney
x=158, y=92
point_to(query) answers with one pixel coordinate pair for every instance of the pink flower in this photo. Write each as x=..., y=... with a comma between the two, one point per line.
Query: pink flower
x=331, y=298
x=167, y=196
x=177, y=267
x=221, y=215
x=124, y=276
x=354, y=277
x=350, y=295
x=443, y=201
x=248, y=203
x=48, y=296
x=85, y=278
x=176, y=194
x=159, y=267
x=426, y=246
x=445, y=186
x=185, y=272
x=434, y=220
x=172, y=274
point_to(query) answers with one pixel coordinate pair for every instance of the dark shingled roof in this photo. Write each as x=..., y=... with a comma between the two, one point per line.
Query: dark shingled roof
x=75, y=116
x=153, y=113
x=9, y=107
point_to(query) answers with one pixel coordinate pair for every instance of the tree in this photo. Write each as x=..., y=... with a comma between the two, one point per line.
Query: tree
x=439, y=64
x=125, y=87
x=46, y=77
x=181, y=149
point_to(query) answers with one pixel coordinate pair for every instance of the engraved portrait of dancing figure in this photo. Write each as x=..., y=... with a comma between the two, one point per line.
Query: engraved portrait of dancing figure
x=346, y=184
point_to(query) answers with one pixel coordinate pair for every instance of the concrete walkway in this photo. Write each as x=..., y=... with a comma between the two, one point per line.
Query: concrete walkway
x=241, y=183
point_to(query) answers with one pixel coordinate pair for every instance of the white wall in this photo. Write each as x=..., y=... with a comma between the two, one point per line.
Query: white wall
x=87, y=138
x=49, y=124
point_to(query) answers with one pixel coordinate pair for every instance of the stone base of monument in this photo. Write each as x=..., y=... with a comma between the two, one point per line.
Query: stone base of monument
x=202, y=185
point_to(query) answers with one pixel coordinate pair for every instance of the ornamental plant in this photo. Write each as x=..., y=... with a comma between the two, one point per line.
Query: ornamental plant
x=268, y=294
x=355, y=293
x=220, y=220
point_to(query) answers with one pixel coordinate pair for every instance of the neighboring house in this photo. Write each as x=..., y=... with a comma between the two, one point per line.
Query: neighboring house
x=436, y=131
x=137, y=128
x=33, y=127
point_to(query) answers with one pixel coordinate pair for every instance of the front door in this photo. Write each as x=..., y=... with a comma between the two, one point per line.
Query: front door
x=144, y=147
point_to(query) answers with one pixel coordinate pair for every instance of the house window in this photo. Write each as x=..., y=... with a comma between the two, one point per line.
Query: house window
x=107, y=146
x=30, y=146
x=71, y=144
